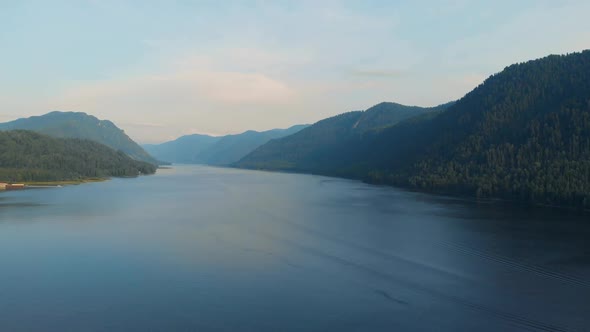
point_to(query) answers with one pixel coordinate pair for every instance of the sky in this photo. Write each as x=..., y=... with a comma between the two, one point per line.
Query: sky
x=162, y=69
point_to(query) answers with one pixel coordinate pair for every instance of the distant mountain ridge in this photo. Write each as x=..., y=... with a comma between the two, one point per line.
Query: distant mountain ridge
x=84, y=126
x=183, y=149
x=219, y=151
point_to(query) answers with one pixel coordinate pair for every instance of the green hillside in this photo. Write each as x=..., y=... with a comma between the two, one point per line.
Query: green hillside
x=30, y=156
x=524, y=134
x=84, y=126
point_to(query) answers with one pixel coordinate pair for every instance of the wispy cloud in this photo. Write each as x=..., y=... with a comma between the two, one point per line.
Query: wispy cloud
x=190, y=90
x=184, y=92
x=378, y=73
x=142, y=124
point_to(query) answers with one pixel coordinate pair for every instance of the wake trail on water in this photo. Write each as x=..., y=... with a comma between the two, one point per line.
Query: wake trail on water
x=510, y=317
x=462, y=249
x=465, y=250
x=519, y=320
x=390, y=298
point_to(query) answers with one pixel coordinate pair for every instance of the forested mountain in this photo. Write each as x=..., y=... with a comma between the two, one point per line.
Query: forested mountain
x=30, y=156
x=84, y=126
x=326, y=146
x=523, y=134
x=223, y=150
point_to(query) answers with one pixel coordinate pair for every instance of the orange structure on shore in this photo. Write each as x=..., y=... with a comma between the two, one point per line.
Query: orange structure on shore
x=11, y=186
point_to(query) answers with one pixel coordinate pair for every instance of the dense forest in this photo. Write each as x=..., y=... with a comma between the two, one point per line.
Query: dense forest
x=84, y=126
x=30, y=156
x=524, y=134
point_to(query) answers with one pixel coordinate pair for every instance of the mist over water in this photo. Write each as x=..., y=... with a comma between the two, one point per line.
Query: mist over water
x=197, y=248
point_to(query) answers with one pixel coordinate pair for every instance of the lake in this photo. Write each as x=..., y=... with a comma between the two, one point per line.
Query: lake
x=197, y=248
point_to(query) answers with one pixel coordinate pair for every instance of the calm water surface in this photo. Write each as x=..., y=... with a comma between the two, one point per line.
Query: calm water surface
x=210, y=249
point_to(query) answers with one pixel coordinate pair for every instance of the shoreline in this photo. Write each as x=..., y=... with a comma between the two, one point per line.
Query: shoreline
x=48, y=184
x=441, y=193
x=51, y=184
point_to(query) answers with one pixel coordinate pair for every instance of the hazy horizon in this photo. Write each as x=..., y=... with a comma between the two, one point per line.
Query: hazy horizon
x=160, y=71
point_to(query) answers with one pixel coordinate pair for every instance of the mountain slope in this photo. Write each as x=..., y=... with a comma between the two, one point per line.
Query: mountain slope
x=326, y=145
x=524, y=134
x=183, y=149
x=30, y=156
x=223, y=150
x=84, y=126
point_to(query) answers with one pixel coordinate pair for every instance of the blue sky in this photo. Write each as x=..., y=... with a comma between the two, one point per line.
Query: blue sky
x=161, y=69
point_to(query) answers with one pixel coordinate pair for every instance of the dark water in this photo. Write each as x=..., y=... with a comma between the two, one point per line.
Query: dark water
x=208, y=249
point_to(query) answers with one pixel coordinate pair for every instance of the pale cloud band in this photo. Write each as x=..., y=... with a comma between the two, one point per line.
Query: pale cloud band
x=163, y=71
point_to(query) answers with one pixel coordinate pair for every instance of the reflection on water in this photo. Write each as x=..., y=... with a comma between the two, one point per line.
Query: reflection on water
x=212, y=249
